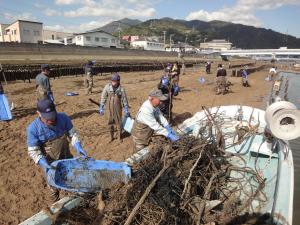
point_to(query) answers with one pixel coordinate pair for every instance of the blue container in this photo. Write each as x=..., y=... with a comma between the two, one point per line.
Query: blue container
x=87, y=175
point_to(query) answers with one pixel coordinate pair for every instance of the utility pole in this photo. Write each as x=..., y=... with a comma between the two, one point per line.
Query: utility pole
x=185, y=43
x=171, y=41
x=164, y=38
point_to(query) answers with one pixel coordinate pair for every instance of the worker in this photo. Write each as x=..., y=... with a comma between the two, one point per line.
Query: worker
x=244, y=74
x=175, y=72
x=169, y=90
x=116, y=96
x=43, y=86
x=221, y=80
x=88, y=80
x=149, y=120
x=47, y=138
x=207, y=67
x=272, y=73
x=1, y=88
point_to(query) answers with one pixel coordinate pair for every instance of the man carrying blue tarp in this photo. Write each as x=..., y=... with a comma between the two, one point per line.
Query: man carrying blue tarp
x=48, y=138
x=43, y=87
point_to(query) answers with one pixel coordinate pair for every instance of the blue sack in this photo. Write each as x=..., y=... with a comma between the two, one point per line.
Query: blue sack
x=201, y=80
x=5, y=112
x=71, y=94
x=87, y=175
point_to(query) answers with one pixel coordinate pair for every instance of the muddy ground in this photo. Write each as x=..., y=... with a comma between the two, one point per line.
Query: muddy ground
x=23, y=191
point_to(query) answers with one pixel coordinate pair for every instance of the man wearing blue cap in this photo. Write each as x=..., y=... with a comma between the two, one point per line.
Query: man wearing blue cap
x=43, y=86
x=149, y=120
x=116, y=96
x=47, y=138
x=88, y=80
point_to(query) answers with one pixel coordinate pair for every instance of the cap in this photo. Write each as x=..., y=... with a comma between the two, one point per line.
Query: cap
x=47, y=109
x=157, y=93
x=45, y=67
x=115, y=77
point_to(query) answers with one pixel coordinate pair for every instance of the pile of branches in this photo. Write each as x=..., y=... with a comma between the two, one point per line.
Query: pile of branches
x=186, y=182
x=182, y=183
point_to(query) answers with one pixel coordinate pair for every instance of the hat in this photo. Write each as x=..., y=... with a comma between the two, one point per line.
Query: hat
x=157, y=93
x=45, y=67
x=47, y=109
x=115, y=77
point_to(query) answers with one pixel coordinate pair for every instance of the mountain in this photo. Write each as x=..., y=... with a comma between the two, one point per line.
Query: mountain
x=196, y=31
x=115, y=26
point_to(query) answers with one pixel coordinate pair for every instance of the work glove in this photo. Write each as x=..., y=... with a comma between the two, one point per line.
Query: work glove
x=173, y=137
x=50, y=95
x=44, y=164
x=169, y=129
x=79, y=149
x=176, y=90
x=101, y=110
x=126, y=111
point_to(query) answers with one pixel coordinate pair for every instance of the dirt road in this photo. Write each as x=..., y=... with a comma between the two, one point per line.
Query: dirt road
x=22, y=186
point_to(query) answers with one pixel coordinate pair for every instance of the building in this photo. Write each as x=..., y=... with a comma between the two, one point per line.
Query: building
x=181, y=47
x=50, y=36
x=216, y=45
x=2, y=31
x=97, y=38
x=22, y=31
x=147, y=44
x=130, y=38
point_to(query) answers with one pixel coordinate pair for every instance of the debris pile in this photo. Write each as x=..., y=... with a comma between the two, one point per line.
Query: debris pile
x=186, y=182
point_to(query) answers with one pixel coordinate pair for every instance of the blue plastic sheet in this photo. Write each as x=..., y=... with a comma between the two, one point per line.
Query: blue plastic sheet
x=5, y=113
x=87, y=175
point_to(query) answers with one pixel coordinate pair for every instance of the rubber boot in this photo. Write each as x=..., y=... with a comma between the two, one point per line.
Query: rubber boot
x=112, y=132
x=54, y=194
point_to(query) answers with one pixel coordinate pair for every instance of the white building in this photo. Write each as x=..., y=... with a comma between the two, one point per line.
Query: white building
x=22, y=31
x=181, y=47
x=50, y=36
x=147, y=45
x=216, y=45
x=2, y=31
x=97, y=39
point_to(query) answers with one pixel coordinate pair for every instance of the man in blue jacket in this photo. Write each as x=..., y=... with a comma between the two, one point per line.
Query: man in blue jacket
x=47, y=138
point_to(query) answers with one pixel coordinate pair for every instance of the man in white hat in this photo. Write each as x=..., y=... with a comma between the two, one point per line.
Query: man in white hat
x=150, y=120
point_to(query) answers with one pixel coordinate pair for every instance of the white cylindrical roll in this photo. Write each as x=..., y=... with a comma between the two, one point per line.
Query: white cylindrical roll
x=285, y=124
x=275, y=107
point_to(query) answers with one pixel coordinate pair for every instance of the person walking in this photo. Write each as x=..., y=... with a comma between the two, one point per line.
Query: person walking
x=89, y=73
x=221, y=80
x=115, y=95
x=43, y=87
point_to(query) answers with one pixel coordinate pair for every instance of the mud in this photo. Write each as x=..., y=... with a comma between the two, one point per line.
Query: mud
x=23, y=191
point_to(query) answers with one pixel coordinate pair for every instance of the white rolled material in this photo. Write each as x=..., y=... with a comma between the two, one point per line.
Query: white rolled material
x=285, y=124
x=277, y=106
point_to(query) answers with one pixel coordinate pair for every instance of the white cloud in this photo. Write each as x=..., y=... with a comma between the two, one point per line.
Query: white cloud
x=65, y=2
x=81, y=28
x=114, y=9
x=242, y=12
x=23, y=16
x=52, y=12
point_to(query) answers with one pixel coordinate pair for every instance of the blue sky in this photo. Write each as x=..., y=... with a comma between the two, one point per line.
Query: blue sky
x=82, y=15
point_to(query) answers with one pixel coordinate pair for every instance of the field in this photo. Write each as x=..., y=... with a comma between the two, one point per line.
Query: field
x=23, y=191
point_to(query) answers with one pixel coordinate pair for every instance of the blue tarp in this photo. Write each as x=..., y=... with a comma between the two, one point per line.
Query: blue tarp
x=87, y=175
x=5, y=113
